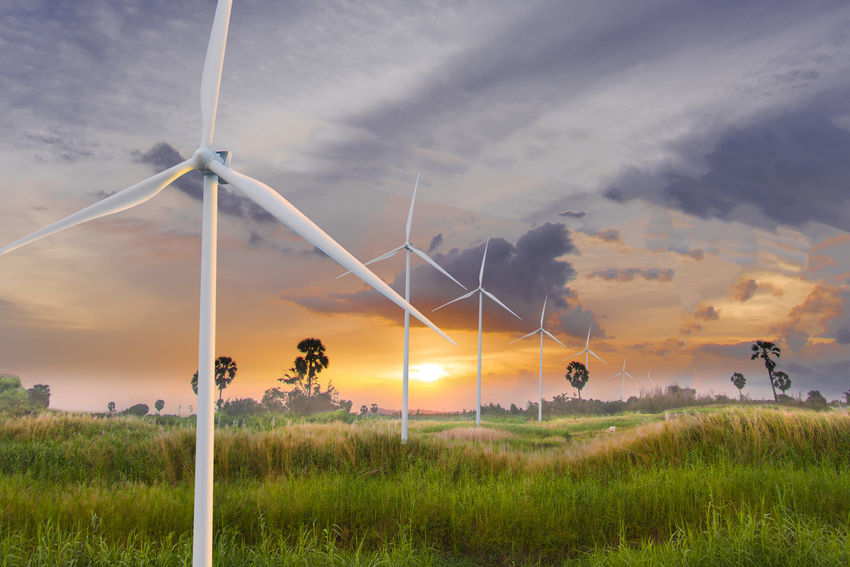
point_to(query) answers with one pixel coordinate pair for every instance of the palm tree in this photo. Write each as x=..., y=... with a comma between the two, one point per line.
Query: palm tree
x=225, y=372
x=739, y=381
x=307, y=368
x=577, y=375
x=766, y=350
x=781, y=380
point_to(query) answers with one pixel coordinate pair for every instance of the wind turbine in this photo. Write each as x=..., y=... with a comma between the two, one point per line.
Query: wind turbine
x=409, y=248
x=541, y=331
x=586, y=350
x=649, y=379
x=623, y=373
x=215, y=167
x=481, y=293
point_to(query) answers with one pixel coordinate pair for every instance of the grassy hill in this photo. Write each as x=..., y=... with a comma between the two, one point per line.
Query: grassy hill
x=717, y=486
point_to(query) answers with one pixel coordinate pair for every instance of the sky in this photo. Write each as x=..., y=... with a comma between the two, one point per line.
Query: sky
x=675, y=174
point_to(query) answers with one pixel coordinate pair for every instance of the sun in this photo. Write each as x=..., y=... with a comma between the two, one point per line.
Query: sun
x=430, y=372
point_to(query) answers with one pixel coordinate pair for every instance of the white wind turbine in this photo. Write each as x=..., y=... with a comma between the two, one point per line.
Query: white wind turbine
x=481, y=293
x=541, y=331
x=216, y=168
x=649, y=379
x=623, y=374
x=409, y=248
x=586, y=351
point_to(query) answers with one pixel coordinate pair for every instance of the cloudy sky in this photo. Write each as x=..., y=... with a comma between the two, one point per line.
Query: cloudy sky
x=676, y=174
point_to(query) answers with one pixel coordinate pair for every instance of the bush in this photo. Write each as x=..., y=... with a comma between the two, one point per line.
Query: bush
x=139, y=410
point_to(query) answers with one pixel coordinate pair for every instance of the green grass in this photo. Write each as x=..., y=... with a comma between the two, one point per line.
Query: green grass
x=723, y=487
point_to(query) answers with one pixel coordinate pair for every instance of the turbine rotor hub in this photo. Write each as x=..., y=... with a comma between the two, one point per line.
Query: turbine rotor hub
x=204, y=156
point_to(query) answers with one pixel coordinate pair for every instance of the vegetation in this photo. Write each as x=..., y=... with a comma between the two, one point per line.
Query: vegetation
x=225, y=372
x=307, y=397
x=728, y=486
x=739, y=381
x=767, y=351
x=577, y=375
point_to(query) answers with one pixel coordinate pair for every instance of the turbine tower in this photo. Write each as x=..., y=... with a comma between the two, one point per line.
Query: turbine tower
x=623, y=374
x=586, y=351
x=541, y=331
x=481, y=293
x=409, y=248
x=215, y=166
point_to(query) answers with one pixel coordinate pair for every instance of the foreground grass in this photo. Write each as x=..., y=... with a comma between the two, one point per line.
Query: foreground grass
x=758, y=487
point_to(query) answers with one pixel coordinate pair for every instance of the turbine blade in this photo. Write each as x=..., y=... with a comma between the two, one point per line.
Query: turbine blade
x=389, y=254
x=551, y=336
x=410, y=214
x=543, y=311
x=629, y=375
x=464, y=296
x=494, y=298
x=574, y=355
x=525, y=336
x=285, y=212
x=594, y=354
x=436, y=266
x=211, y=77
x=587, y=342
x=483, y=258
x=124, y=199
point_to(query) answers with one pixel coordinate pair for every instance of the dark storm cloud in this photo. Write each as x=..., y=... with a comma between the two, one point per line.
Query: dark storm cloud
x=436, y=242
x=545, y=56
x=629, y=274
x=792, y=168
x=520, y=275
x=572, y=214
x=162, y=156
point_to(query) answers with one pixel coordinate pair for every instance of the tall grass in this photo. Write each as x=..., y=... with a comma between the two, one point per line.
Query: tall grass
x=451, y=495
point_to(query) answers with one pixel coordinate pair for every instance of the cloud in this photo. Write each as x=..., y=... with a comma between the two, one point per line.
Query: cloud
x=821, y=314
x=520, y=275
x=162, y=156
x=436, y=242
x=792, y=168
x=629, y=274
x=610, y=235
x=743, y=289
x=572, y=214
x=706, y=313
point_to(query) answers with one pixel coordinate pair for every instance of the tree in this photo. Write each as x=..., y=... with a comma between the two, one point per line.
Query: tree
x=242, y=406
x=225, y=372
x=158, y=405
x=140, y=410
x=739, y=381
x=577, y=375
x=374, y=408
x=13, y=397
x=110, y=407
x=781, y=380
x=816, y=398
x=364, y=409
x=40, y=395
x=274, y=399
x=307, y=368
x=846, y=396
x=766, y=350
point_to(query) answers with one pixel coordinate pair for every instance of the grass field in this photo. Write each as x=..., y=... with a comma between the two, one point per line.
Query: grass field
x=718, y=486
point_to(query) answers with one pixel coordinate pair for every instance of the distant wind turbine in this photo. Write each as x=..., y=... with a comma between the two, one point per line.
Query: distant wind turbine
x=481, y=293
x=408, y=248
x=649, y=379
x=586, y=351
x=215, y=166
x=541, y=331
x=623, y=374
